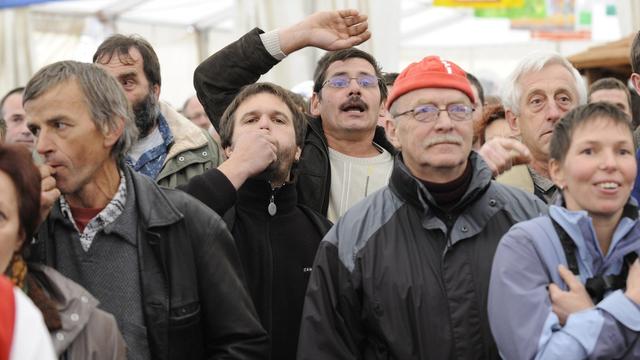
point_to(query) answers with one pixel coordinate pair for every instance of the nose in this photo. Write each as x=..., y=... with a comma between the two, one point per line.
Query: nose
x=43, y=143
x=554, y=113
x=608, y=161
x=443, y=122
x=25, y=130
x=354, y=87
x=264, y=122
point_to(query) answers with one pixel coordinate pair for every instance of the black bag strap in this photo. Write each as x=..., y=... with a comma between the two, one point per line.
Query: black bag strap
x=596, y=286
x=568, y=246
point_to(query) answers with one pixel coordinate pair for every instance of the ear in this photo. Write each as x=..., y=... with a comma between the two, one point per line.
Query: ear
x=390, y=128
x=111, y=135
x=635, y=80
x=228, y=151
x=315, y=104
x=156, y=91
x=512, y=120
x=556, y=173
x=298, y=153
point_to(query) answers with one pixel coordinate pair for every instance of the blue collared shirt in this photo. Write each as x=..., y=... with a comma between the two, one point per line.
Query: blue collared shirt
x=152, y=160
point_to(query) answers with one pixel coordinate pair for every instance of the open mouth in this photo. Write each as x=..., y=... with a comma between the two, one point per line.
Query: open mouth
x=354, y=105
x=608, y=185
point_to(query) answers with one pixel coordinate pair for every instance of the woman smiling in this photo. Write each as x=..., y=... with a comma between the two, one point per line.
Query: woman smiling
x=567, y=285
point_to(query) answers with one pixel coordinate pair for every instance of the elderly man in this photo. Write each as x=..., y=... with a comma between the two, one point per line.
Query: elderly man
x=541, y=89
x=161, y=262
x=277, y=238
x=12, y=112
x=170, y=149
x=404, y=274
x=194, y=111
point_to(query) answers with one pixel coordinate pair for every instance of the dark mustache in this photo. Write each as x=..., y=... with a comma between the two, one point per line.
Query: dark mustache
x=354, y=101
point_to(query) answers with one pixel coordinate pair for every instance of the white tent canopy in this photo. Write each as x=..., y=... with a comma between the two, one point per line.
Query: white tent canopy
x=184, y=32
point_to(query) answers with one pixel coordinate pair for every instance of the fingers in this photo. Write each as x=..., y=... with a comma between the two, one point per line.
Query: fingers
x=502, y=153
x=554, y=292
x=567, y=276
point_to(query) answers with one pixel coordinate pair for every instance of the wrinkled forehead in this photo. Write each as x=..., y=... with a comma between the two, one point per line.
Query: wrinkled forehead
x=351, y=67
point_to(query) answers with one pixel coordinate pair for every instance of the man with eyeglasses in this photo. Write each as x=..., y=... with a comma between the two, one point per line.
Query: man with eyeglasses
x=345, y=156
x=404, y=274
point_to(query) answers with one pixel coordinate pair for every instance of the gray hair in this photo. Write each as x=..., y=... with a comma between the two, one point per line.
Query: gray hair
x=534, y=62
x=103, y=95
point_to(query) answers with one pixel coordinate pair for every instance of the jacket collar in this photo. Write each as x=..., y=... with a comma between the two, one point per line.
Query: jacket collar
x=579, y=227
x=411, y=189
x=379, y=136
x=255, y=196
x=186, y=135
x=153, y=206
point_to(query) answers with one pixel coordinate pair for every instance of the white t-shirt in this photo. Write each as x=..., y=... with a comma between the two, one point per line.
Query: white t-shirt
x=146, y=143
x=31, y=340
x=353, y=178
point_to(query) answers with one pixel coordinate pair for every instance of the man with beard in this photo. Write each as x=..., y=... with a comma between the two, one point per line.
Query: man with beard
x=170, y=149
x=345, y=156
x=262, y=130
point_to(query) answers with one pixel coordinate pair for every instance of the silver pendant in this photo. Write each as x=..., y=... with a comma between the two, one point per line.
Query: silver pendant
x=272, y=208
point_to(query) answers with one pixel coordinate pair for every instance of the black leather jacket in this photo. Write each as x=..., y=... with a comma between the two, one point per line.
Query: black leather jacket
x=221, y=77
x=195, y=303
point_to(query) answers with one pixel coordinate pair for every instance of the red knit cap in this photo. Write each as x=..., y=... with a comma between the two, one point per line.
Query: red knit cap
x=431, y=72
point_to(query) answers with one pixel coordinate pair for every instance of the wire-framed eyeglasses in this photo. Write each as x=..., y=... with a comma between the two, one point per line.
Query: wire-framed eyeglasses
x=430, y=112
x=343, y=81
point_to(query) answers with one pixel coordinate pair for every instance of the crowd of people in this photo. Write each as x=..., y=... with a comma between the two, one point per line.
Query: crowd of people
x=392, y=216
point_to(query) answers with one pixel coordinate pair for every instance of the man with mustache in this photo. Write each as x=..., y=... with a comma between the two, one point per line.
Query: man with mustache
x=171, y=149
x=276, y=237
x=404, y=274
x=12, y=112
x=540, y=90
x=345, y=155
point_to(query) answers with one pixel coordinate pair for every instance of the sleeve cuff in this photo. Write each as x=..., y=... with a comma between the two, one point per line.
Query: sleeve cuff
x=622, y=309
x=271, y=42
x=585, y=327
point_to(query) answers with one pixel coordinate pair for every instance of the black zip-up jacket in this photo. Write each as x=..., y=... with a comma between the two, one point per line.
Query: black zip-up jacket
x=195, y=303
x=276, y=250
x=399, y=278
x=221, y=77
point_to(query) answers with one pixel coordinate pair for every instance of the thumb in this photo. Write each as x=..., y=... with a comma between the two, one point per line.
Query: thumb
x=571, y=280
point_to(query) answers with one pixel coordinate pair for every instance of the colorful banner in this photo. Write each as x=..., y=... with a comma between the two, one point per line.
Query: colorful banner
x=18, y=3
x=533, y=9
x=481, y=4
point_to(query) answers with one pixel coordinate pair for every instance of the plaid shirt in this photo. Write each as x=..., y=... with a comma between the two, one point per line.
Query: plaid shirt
x=107, y=216
x=151, y=162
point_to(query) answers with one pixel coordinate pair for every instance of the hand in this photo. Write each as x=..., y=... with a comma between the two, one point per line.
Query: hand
x=48, y=191
x=565, y=303
x=633, y=282
x=502, y=153
x=252, y=153
x=328, y=30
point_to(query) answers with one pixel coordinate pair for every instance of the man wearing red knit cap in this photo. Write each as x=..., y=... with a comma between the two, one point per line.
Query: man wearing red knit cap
x=404, y=274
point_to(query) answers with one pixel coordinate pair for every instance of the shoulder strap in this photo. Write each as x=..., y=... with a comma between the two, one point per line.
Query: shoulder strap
x=7, y=317
x=568, y=246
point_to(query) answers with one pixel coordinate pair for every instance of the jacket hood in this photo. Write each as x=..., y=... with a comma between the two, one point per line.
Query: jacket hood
x=186, y=135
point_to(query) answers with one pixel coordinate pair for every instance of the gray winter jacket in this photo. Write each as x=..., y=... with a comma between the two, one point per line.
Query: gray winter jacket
x=399, y=278
x=87, y=332
x=527, y=261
